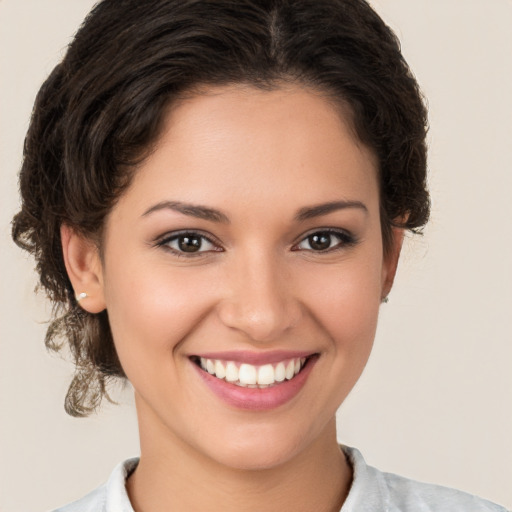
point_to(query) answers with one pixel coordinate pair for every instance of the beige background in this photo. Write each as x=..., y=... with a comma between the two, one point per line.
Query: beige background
x=435, y=402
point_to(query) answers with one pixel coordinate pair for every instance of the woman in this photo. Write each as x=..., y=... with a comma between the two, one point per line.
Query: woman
x=216, y=194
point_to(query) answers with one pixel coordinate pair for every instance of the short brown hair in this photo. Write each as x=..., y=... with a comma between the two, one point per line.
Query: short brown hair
x=102, y=107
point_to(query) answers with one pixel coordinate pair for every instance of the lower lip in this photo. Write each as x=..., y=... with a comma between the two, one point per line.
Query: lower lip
x=257, y=399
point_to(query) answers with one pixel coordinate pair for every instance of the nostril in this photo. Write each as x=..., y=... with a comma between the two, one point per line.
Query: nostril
x=259, y=301
x=259, y=324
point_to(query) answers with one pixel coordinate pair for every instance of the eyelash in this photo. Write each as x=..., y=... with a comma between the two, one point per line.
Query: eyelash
x=346, y=240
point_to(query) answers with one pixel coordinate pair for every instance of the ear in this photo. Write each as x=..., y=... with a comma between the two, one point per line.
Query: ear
x=84, y=268
x=390, y=262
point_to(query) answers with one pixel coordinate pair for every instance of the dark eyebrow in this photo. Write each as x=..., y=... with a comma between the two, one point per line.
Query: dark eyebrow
x=201, y=212
x=309, y=212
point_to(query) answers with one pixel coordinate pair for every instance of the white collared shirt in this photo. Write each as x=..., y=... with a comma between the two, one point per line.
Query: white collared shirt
x=371, y=491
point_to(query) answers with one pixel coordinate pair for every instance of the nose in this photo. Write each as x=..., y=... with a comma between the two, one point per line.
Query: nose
x=259, y=299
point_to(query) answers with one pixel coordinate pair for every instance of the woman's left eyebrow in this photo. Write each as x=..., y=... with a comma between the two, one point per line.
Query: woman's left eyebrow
x=310, y=212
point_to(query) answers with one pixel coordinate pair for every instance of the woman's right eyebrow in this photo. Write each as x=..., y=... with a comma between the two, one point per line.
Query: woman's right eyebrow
x=193, y=210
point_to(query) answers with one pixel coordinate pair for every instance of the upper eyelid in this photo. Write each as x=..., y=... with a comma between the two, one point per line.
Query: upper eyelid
x=175, y=234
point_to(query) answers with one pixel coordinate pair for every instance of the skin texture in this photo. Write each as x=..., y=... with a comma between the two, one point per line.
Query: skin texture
x=260, y=286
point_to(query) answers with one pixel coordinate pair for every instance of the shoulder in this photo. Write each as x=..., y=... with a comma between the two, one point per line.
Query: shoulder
x=374, y=490
x=406, y=494
x=109, y=497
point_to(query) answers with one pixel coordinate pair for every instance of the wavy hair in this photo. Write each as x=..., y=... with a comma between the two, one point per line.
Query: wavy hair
x=101, y=109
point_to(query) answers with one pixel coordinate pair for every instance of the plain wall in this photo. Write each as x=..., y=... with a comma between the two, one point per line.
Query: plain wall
x=435, y=402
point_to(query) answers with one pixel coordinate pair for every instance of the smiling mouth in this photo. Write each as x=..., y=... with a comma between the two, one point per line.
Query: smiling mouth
x=252, y=376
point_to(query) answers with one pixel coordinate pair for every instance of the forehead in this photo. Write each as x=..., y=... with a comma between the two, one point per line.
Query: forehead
x=257, y=146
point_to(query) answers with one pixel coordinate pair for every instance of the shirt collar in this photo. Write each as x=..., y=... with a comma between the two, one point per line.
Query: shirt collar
x=116, y=494
x=368, y=490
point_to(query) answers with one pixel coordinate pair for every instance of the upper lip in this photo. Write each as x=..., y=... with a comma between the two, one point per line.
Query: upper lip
x=255, y=358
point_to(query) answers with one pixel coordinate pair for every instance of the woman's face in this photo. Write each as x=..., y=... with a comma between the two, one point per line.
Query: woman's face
x=248, y=245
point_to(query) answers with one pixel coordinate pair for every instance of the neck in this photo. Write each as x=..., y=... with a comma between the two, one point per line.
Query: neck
x=176, y=477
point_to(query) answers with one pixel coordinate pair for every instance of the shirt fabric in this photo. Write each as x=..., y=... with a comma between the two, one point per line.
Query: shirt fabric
x=371, y=491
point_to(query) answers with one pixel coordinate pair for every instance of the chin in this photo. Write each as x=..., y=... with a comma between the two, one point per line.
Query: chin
x=255, y=457
x=261, y=448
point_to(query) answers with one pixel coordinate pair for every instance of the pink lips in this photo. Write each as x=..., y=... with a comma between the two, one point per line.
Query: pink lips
x=257, y=399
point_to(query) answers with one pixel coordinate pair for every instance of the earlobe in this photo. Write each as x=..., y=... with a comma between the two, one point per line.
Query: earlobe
x=391, y=262
x=84, y=268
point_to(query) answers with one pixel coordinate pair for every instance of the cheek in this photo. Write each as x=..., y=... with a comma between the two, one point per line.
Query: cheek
x=346, y=303
x=153, y=309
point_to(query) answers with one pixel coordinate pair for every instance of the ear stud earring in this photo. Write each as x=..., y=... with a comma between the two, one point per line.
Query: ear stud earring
x=81, y=296
x=385, y=300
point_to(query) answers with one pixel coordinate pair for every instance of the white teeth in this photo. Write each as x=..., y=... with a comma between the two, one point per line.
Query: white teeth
x=248, y=375
x=290, y=370
x=231, y=372
x=220, y=372
x=280, y=372
x=266, y=374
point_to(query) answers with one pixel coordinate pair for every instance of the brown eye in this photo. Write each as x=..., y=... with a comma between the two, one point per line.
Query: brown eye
x=324, y=241
x=189, y=243
x=320, y=241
